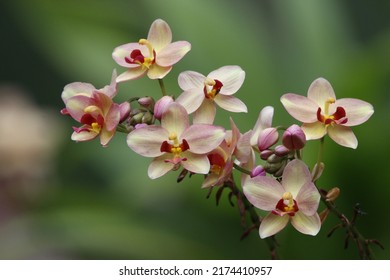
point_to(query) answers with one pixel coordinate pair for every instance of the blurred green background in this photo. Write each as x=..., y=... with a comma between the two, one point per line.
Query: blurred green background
x=62, y=200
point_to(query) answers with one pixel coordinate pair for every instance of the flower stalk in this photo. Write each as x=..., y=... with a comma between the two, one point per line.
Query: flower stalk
x=162, y=87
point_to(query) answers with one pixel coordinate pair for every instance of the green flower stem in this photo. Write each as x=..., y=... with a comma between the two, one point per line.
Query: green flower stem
x=122, y=128
x=320, y=155
x=162, y=86
x=243, y=170
x=299, y=154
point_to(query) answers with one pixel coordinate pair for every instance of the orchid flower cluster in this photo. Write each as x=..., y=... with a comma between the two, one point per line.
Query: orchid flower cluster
x=179, y=133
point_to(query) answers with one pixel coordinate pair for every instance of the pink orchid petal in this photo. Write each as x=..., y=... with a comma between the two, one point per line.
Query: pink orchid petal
x=106, y=136
x=102, y=102
x=172, y=53
x=160, y=34
x=75, y=106
x=112, y=118
x=159, y=167
x=272, y=224
x=203, y=138
x=267, y=138
x=226, y=172
x=264, y=121
x=205, y=113
x=343, y=136
x=320, y=91
x=295, y=176
x=310, y=225
x=244, y=148
x=235, y=135
x=131, y=74
x=77, y=88
x=248, y=165
x=300, y=107
x=263, y=192
x=175, y=119
x=191, y=80
x=147, y=141
x=125, y=50
x=124, y=110
x=308, y=199
x=191, y=99
x=111, y=89
x=314, y=130
x=357, y=111
x=232, y=77
x=158, y=72
x=83, y=135
x=230, y=103
x=196, y=163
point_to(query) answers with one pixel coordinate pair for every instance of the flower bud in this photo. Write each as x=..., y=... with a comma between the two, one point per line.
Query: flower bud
x=140, y=125
x=280, y=171
x=147, y=102
x=323, y=215
x=258, y=171
x=281, y=151
x=317, y=171
x=161, y=106
x=136, y=119
x=264, y=155
x=148, y=118
x=274, y=159
x=267, y=138
x=333, y=194
x=294, y=138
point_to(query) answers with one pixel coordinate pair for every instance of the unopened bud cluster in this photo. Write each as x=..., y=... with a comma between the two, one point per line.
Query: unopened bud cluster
x=141, y=115
x=276, y=159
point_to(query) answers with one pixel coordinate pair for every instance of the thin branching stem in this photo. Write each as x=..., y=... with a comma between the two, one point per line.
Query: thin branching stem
x=363, y=244
x=246, y=208
x=162, y=87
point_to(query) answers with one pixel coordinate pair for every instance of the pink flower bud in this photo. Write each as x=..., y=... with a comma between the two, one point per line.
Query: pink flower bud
x=267, y=138
x=258, y=171
x=294, y=138
x=281, y=151
x=265, y=154
x=147, y=102
x=161, y=106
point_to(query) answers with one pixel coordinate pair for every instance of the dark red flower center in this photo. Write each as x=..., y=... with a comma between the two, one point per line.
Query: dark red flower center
x=286, y=205
x=212, y=88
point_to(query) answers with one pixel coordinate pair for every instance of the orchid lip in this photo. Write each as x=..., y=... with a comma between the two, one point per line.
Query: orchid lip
x=339, y=117
x=217, y=163
x=136, y=56
x=286, y=205
x=216, y=88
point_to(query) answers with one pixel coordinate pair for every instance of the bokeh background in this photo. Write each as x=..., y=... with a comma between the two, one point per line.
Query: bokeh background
x=62, y=200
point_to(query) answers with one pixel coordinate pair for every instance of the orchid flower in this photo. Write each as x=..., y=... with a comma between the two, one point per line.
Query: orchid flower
x=202, y=93
x=248, y=143
x=155, y=55
x=176, y=142
x=94, y=109
x=295, y=199
x=322, y=114
x=221, y=158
